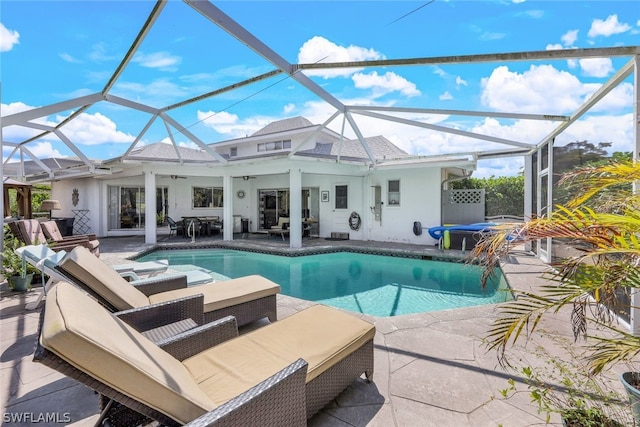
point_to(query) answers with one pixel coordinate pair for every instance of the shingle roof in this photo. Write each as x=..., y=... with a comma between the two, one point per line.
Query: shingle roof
x=162, y=151
x=380, y=147
x=284, y=125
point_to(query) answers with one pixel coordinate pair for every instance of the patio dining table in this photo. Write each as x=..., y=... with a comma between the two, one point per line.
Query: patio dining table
x=204, y=225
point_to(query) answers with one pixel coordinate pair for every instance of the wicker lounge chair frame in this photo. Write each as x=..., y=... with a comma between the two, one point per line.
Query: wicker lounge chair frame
x=278, y=400
x=260, y=405
x=244, y=313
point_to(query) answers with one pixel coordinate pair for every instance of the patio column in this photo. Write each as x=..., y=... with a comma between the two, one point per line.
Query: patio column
x=150, y=228
x=528, y=192
x=295, y=208
x=227, y=210
x=634, y=318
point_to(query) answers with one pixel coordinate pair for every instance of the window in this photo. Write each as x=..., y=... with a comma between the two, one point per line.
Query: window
x=127, y=208
x=393, y=189
x=233, y=151
x=274, y=145
x=207, y=197
x=342, y=196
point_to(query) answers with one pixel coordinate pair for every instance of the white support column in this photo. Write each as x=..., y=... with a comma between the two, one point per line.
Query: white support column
x=150, y=228
x=295, y=208
x=227, y=210
x=528, y=192
x=635, y=293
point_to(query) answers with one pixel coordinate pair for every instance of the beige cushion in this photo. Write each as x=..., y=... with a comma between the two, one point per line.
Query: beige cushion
x=80, y=331
x=51, y=230
x=102, y=279
x=224, y=294
x=320, y=335
x=30, y=230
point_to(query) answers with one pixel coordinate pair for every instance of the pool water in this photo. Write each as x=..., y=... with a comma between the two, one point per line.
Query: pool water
x=372, y=284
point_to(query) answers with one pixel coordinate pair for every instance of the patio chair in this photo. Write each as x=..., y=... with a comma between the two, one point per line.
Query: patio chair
x=247, y=298
x=278, y=375
x=174, y=227
x=52, y=233
x=28, y=231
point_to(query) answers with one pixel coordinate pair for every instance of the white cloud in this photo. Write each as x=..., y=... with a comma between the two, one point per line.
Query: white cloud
x=439, y=71
x=542, y=89
x=508, y=166
x=159, y=93
x=94, y=129
x=383, y=84
x=554, y=46
x=44, y=150
x=460, y=81
x=160, y=60
x=536, y=13
x=99, y=53
x=319, y=49
x=596, y=67
x=445, y=96
x=601, y=128
x=569, y=38
x=288, y=108
x=68, y=58
x=230, y=125
x=8, y=38
x=608, y=27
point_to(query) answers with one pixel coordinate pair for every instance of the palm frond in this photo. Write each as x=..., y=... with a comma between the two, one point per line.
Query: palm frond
x=620, y=347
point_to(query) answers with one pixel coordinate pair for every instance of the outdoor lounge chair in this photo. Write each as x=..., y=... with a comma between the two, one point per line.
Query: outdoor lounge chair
x=30, y=233
x=45, y=259
x=246, y=298
x=52, y=233
x=278, y=375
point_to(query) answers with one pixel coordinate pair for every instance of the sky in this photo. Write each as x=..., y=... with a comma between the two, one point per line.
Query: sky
x=52, y=51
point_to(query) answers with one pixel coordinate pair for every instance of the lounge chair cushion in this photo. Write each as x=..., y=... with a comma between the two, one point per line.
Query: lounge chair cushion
x=321, y=335
x=224, y=294
x=120, y=356
x=107, y=283
x=104, y=280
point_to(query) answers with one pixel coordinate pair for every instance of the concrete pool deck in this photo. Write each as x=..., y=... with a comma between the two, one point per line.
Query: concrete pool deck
x=431, y=369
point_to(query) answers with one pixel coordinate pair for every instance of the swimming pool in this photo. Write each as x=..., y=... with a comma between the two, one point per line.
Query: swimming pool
x=365, y=283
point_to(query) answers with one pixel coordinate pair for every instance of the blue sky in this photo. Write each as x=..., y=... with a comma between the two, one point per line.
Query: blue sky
x=52, y=51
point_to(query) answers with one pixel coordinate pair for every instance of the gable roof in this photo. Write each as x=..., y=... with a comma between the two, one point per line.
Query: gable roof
x=160, y=151
x=284, y=125
x=380, y=147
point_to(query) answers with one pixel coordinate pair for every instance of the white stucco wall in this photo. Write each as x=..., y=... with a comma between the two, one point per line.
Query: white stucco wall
x=88, y=199
x=419, y=201
x=419, y=189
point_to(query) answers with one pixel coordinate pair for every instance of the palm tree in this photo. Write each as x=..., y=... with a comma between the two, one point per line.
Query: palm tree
x=601, y=225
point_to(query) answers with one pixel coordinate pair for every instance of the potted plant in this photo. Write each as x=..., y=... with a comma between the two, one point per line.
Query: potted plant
x=568, y=390
x=18, y=273
x=600, y=227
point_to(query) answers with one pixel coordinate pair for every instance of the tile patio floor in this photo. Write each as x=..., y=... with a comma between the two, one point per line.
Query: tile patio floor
x=431, y=369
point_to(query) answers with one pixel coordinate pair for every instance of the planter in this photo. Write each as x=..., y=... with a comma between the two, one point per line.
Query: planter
x=21, y=284
x=588, y=418
x=631, y=382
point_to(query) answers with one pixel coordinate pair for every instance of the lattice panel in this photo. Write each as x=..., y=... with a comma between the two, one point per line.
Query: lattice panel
x=463, y=206
x=466, y=196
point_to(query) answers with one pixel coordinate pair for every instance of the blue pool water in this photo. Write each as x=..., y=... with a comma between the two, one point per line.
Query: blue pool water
x=373, y=284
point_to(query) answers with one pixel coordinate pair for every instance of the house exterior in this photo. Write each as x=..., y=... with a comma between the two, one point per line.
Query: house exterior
x=366, y=187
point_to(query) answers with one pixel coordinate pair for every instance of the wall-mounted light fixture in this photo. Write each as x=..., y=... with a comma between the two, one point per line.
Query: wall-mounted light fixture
x=246, y=178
